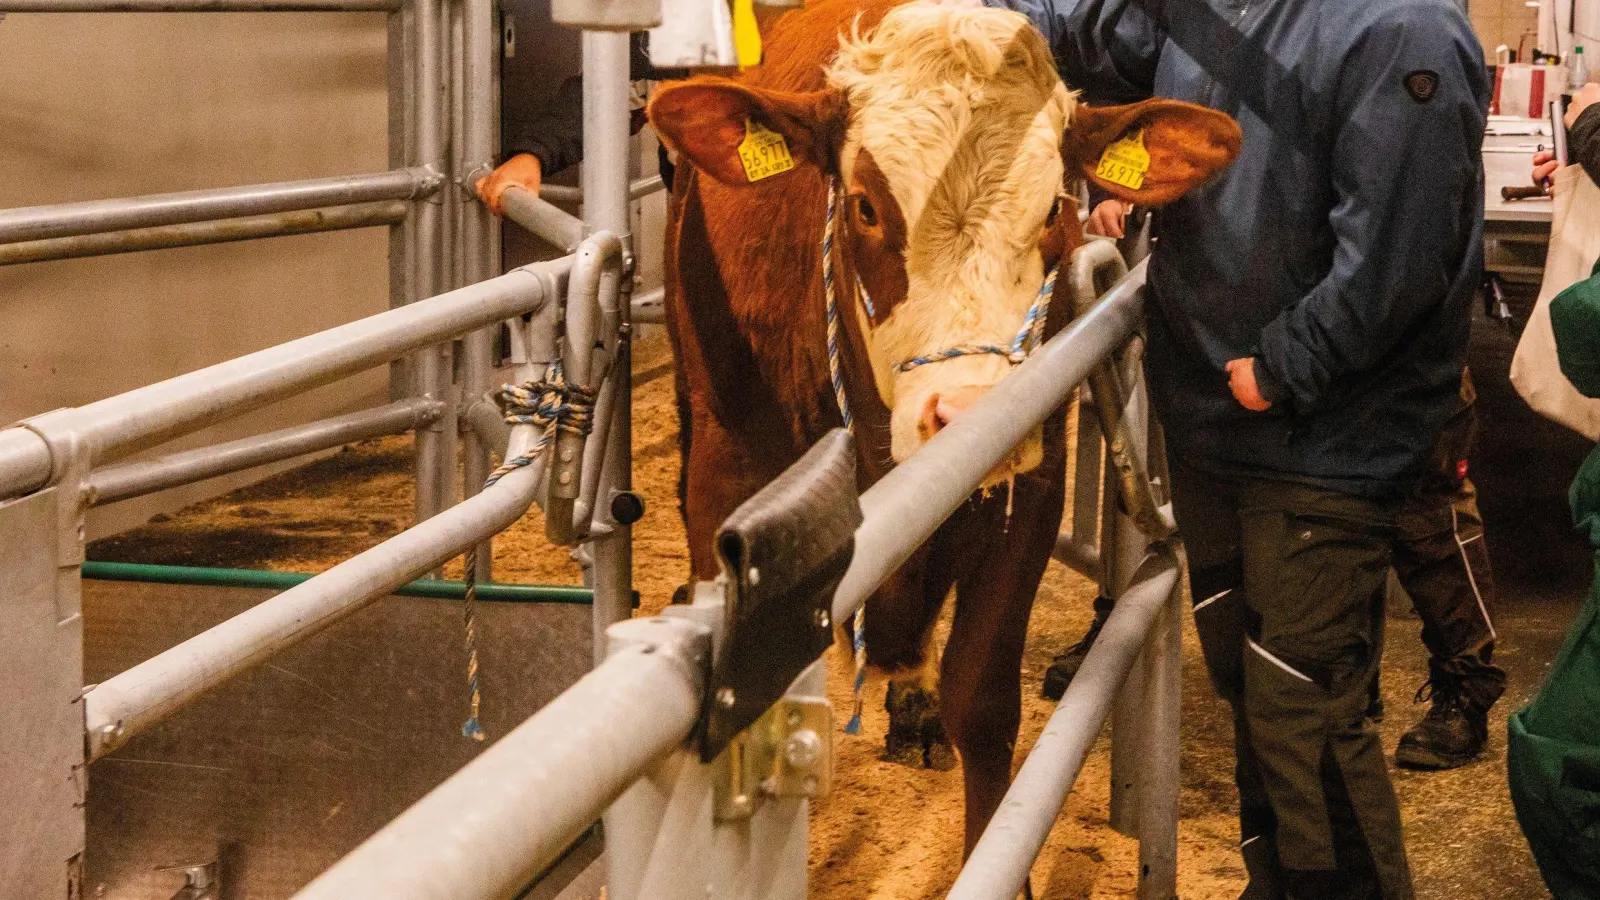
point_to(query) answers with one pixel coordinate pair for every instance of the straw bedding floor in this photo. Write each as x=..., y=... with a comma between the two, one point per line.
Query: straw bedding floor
x=887, y=832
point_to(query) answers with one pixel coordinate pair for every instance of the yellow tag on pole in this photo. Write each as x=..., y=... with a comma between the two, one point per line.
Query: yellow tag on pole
x=746, y=34
x=1125, y=161
x=763, y=152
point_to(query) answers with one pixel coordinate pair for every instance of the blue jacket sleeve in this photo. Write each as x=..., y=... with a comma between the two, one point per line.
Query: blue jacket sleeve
x=1106, y=48
x=1407, y=172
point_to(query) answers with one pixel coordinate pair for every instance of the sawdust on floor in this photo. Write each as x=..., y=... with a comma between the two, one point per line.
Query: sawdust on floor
x=887, y=832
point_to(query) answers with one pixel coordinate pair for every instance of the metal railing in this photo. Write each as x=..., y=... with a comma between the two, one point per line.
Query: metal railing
x=510, y=812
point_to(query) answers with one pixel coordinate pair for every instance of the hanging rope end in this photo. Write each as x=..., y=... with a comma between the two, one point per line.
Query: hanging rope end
x=471, y=729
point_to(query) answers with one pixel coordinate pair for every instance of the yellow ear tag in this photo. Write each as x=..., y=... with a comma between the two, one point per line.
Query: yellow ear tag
x=1125, y=161
x=746, y=35
x=764, y=153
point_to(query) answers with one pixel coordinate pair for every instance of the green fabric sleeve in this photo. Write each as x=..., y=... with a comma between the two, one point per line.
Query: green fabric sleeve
x=1575, y=318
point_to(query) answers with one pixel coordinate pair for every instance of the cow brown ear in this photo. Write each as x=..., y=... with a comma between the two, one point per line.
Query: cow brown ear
x=705, y=120
x=1183, y=145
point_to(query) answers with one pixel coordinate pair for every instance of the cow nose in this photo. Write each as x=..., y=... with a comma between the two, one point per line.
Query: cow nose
x=942, y=409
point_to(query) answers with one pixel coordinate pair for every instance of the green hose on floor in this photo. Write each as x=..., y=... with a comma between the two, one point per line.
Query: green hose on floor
x=258, y=578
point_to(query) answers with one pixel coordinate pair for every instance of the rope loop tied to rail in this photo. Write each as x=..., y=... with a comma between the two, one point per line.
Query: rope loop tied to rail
x=552, y=405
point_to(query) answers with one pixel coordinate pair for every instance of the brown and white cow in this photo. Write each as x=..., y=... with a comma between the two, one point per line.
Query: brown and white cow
x=951, y=137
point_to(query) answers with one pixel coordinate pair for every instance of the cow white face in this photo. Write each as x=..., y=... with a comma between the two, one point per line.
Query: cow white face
x=952, y=174
x=950, y=135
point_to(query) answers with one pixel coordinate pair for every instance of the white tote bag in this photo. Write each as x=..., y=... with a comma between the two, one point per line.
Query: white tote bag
x=1574, y=246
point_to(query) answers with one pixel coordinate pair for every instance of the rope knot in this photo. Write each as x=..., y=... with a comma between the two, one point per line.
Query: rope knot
x=550, y=404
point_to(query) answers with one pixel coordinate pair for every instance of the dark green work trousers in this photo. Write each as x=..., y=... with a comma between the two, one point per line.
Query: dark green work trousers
x=1288, y=583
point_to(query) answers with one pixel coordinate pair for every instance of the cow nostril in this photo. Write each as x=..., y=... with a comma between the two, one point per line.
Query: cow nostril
x=945, y=412
x=929, y=423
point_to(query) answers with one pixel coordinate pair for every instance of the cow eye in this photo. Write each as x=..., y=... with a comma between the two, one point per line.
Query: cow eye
x=1055, y=212
x=869, y=216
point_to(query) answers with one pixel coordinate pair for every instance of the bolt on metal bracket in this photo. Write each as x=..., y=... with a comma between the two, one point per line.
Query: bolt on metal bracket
x=787, y=754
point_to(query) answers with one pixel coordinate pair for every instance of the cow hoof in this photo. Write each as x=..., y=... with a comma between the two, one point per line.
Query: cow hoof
x=916, y=735
x=941, y=757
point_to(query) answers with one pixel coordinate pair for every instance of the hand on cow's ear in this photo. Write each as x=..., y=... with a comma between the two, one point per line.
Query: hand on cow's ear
x=1184, y=145
x=704, y=120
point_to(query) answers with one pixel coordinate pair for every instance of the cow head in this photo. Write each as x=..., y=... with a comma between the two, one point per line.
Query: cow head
x=952, y=137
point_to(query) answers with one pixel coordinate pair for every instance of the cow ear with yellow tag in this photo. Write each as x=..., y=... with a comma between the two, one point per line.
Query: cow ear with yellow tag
x=742, y=135
x=1150, y=153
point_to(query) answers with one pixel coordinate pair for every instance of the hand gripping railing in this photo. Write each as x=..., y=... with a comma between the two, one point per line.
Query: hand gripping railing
x=507, y=813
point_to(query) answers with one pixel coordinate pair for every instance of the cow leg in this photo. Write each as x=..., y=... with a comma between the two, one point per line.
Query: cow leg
x=981, y=675
x=899, y=635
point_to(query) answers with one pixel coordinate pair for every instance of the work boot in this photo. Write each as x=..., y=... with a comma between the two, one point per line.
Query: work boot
x=1065, y=666
x=1450, y=735
x=1375, y=703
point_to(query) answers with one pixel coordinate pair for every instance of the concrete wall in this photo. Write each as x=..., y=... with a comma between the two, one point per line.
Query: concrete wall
x=1554, y=18
x=1505, y=22
x=110, y=105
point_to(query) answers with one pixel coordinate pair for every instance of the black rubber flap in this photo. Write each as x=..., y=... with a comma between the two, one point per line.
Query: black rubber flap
x=785, y=551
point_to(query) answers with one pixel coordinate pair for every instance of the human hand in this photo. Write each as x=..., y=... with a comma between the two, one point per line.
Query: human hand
x=1544, y=165
x=1242, y=381
x=1581, y=101
x=1108, y=219
x=521, y=171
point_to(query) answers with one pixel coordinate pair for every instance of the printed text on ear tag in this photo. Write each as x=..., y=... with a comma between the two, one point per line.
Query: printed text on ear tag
x=1125, y=162
x=764, y=153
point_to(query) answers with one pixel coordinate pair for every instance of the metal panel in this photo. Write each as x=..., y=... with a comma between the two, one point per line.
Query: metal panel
x=41, y=734
x=289, y=767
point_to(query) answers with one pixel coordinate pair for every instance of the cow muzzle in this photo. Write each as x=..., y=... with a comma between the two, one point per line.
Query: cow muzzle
x=915, y=420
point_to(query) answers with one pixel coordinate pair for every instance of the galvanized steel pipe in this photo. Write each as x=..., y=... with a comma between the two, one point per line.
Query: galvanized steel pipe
x=146, y=476
x=999, y=864
x=542, y=219
x=127, y=704
x=148, y=6
x=196, y=234
x=495, y=824
x=909, y=504
x=34, y=223
x=122, y=425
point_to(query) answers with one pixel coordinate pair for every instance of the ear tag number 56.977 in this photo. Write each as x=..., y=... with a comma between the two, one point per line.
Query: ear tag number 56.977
x=1125, y=161
x=763, y=152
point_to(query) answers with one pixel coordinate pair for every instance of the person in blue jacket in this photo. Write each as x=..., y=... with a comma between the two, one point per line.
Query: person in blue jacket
x=1308, y=324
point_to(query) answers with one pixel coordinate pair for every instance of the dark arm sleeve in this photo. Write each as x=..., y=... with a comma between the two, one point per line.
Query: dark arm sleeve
x=1106, y=48
x=1584, y=141
x=1407, y=180
x=555, y=133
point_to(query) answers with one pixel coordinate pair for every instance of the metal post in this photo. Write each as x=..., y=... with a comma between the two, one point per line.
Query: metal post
x=41, y=677
x=606, y=208
x=1159, y=777
x=428, y=367
x=480, y=233
x=400, y=50
x=1128, y=717
x=668, y=837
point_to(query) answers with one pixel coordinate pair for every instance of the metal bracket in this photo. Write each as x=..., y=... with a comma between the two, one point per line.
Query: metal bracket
x=783, y=553
x=1093, y=264
x=787, y=753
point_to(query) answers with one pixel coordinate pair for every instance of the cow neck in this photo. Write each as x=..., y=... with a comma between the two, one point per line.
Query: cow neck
x=869, y=413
